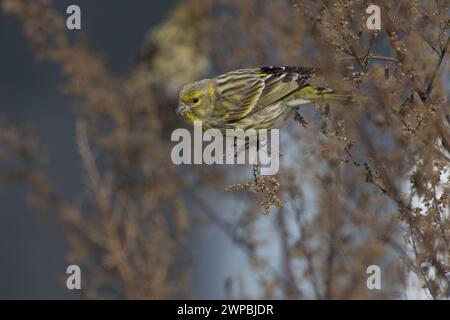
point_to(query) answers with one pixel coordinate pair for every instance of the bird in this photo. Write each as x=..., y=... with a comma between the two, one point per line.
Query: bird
x=252, y=98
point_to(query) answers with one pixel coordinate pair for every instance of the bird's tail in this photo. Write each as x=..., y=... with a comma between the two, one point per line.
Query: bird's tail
x=314, y=93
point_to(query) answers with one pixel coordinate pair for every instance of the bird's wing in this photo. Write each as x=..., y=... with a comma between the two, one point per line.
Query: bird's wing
x=280, y=82
x=243, y=92
x=237, y=93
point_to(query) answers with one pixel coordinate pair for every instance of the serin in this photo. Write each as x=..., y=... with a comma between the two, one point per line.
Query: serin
x=259, y=98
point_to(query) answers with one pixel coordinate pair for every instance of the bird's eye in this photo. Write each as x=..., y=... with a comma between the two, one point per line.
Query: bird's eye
x=195, y=100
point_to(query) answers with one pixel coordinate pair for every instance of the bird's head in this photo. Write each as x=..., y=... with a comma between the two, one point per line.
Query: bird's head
x=196, y=100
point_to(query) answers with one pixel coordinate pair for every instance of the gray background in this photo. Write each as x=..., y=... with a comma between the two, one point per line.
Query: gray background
x=32, y=248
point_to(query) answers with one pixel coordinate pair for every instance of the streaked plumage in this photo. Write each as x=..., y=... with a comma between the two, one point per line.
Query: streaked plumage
x=259, y=98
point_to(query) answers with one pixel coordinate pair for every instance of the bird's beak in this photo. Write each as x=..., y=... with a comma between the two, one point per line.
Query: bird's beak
x=182, y=108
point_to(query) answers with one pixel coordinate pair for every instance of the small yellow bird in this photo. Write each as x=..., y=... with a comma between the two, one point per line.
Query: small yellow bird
x=260, y=98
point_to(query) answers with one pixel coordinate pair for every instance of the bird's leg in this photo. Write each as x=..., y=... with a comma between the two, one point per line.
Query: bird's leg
x=260, y=143
x=299, y=118
x=236, y=150
x=240, y=148
x=256, y=173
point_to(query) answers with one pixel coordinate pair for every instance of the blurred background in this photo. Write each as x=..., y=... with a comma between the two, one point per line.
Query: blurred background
x=86, y=176
x=33, y=247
